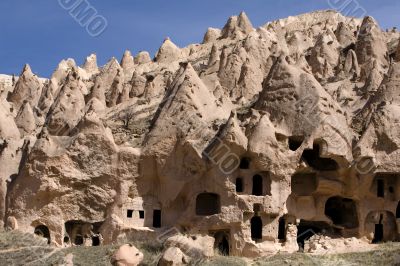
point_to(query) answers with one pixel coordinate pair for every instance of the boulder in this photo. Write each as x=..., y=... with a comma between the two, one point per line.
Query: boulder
x=127, y=255
x=173, y=256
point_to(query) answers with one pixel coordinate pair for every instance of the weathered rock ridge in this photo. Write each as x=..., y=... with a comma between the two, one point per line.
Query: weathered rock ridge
x=255, y=139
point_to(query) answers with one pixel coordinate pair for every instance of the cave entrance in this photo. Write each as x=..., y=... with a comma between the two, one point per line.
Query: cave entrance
x=378, y=235
x=222, y=242
x=79, y=232
x=43, y=231
x=383, y=225
x=78, y=240
x=380, y=193
x=295, y=142
x=208, y=204
x=256, y=228
x=313, y=159
x=96, y=241
x=257, y=185
x=342, y=212
x=239, y=185
x=282, y=229
x=398, y=211
x=244, y=163
x=378, y=232
x=157, y=218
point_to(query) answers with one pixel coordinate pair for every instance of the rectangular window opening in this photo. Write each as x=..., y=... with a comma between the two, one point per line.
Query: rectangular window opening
x=141, y=214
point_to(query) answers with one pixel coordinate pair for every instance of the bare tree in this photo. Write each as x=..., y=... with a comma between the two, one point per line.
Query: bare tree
x=126, y=116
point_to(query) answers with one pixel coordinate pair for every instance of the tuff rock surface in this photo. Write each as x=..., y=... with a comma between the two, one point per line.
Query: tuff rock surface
x=254, y=140
x=127, y=255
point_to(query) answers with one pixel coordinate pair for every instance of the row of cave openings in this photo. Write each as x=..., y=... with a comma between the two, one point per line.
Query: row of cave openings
x=77, y=233
x=384, y=185
x=156, y=216
x=304, y=183
x=343, y=214
x=341, y=211
x=222, y=237
x=261, y=186
x=310, y=156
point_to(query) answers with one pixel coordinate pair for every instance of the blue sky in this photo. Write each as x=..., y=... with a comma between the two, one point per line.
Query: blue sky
x=42, y=33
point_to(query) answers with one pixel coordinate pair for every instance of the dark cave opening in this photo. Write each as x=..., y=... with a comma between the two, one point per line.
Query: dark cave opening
x=378, y=232
x=342, y=212
x=43, y=231
x=282, y=229
x=257, y=185
x=378, y=235
x=244, y=163
x=239, y=185
x=95, y=240
x=208, y=204
x=295, y=142
x=157, y=218
x=256, y=228
x=313, y=159
x=222, y=243
x=380, y=193
x=78, y=240
x=77, y=232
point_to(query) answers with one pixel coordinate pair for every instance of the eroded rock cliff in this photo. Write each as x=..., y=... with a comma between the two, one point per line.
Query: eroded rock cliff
x=255, y=137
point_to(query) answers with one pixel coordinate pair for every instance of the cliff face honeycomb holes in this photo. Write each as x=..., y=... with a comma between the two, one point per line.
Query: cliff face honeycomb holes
x=82, y=233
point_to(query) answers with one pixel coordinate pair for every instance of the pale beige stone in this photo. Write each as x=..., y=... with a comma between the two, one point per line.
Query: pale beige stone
x=173, y=256
x=127, y=255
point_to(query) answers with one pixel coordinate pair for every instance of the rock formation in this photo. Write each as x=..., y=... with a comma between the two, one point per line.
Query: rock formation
x=127, y=255
x=248, y=143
